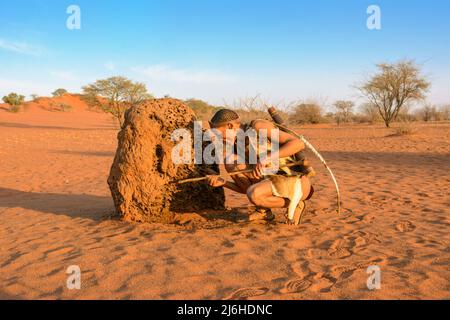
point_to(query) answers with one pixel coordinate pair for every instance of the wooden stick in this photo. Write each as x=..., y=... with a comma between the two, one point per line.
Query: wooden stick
x=293, y=164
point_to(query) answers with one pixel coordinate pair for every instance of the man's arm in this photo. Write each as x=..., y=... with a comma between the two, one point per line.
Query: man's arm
x=288, y=144
x=218, y=181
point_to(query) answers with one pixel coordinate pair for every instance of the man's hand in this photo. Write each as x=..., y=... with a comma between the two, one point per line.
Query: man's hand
x=257, y=171
x=216, y=181
x=259, y=168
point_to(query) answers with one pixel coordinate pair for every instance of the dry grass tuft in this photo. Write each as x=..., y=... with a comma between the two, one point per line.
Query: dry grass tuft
x=404, y=128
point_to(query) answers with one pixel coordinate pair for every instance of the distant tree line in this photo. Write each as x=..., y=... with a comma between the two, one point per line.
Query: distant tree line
x=388, y=93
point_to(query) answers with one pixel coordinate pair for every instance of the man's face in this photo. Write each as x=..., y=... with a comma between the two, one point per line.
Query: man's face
x=228, y=131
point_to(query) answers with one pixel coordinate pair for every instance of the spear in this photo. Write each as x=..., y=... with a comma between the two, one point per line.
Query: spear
x=234, y=173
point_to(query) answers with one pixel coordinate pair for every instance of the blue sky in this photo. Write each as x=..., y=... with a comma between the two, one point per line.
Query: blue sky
x=220, y=50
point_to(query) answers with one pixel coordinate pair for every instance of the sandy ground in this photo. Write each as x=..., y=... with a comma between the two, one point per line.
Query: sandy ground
x=55, y=203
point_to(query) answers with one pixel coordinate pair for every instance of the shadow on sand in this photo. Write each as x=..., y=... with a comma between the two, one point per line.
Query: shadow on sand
x=72, y=205
x=391, y=158
x=28, y=126
x=98, y=208
x=108, y=154
x=6, y=296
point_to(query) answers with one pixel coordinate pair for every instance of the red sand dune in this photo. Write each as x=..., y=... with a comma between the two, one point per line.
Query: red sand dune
x=47, y=110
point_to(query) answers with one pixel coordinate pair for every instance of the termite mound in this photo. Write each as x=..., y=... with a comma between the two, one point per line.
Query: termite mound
x=142, y=174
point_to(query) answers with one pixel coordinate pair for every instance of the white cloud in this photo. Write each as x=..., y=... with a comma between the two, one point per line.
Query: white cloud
x=167, y=73
x=20, y=47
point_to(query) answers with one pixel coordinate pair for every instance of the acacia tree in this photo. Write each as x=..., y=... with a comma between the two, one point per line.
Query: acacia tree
x=34, y=96
x=121, y=93
x=393, y=87
x=344, y=110
x=59, y=92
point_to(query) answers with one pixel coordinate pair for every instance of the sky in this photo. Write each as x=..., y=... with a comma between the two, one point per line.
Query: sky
x=221, y=50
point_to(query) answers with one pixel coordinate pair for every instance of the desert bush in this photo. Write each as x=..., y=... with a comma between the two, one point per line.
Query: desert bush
x=370, y=112
x=250, y=108
x=361, y=118
x=404, y=128
x=343, y=111
x=59, y=92
x=429, y=113
x=34, y=97
x=445, y=112
x=203, y=110
x=328, y=117
x=405, y=116
x=14, y=100
x=306, y=112
x=247, y=116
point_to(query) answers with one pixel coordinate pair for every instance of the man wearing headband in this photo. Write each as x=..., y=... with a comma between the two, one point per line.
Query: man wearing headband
x=260, y=190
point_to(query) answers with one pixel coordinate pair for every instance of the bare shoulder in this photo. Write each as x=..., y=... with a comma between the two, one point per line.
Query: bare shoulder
x=259, y=124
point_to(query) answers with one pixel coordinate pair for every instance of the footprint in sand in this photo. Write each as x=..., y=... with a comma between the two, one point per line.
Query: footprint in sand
x=405, y=226
x=338, y=249
x=297, y=285
x=228, y=244
x=342, y=272
x=245, y=293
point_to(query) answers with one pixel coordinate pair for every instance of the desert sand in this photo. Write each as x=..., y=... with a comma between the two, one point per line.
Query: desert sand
x=55, y=209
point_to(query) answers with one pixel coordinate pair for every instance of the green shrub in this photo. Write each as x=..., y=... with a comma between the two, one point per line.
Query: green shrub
x=59, y=92
x=14, y=100
x=202, y=109
x=306, y=113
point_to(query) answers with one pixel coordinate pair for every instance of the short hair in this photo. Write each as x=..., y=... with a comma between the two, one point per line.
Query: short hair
x=223, y=116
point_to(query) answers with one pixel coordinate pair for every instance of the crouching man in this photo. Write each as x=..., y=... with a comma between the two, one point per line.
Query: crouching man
x=288, y=188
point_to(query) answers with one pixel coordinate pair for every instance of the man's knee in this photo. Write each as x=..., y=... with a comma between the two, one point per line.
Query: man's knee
x=253, y=195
